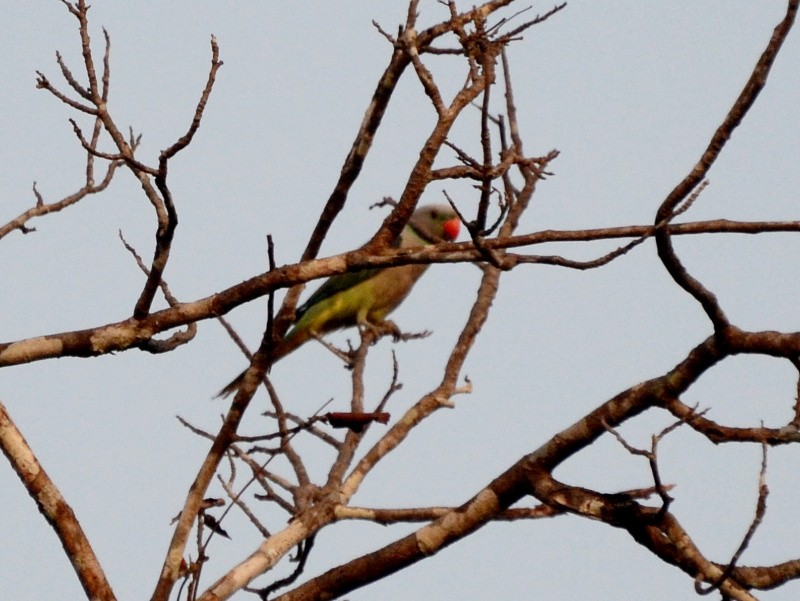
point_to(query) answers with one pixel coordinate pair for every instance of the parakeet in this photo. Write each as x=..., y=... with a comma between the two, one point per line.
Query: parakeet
x=365, y=297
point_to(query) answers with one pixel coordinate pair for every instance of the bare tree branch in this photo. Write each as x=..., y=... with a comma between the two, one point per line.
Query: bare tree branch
x=55, y=509
x=747, y=97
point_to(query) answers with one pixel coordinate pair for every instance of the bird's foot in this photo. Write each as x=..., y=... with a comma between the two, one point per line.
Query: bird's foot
x=404, y=336
x=389, y=328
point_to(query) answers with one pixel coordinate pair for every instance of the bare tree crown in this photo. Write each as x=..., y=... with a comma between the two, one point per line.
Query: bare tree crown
x=272, y=473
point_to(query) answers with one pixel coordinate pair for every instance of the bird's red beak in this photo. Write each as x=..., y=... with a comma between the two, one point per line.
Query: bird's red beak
x=450, y=229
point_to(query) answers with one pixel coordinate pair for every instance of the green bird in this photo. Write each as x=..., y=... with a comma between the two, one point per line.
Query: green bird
x=365, y=297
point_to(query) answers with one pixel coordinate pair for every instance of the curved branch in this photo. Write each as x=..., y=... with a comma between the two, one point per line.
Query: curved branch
x=666, y=211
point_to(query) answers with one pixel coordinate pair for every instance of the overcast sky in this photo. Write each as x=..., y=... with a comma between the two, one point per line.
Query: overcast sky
x=629, y=92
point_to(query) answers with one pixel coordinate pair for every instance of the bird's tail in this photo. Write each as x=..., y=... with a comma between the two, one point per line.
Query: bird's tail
x=290, y=342
x=231, y=386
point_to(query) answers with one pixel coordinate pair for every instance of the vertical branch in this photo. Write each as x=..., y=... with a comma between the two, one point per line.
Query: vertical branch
x=269, y=336
x=169, y=221
x=414, y=45
x=358, y=151
x=518, y=201
x=226, y=436
x=347, y=449
x=488, y=60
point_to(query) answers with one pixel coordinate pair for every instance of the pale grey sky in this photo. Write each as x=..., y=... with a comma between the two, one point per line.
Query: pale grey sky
x=629, y=92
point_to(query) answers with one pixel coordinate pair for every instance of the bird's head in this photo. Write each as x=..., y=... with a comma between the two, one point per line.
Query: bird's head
x=436, y=223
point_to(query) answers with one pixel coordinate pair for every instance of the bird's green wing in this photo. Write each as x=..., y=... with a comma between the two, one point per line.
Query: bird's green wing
x=334, y=285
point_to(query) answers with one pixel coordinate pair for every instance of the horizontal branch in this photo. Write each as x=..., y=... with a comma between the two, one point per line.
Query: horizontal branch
x=134, y=333
x=718, y=433
x=427, y=514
